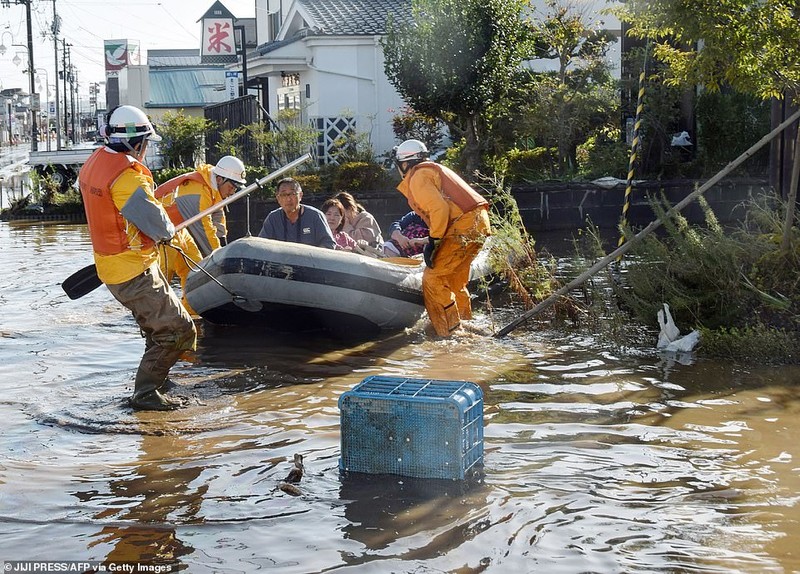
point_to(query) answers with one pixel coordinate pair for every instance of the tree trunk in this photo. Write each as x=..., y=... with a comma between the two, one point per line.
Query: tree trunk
x=472, y=149
x=791, y=201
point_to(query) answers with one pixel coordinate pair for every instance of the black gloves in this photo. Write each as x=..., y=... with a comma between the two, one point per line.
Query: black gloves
x=428, y=251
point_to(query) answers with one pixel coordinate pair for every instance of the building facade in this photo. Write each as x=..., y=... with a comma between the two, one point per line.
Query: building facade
x=324, y=58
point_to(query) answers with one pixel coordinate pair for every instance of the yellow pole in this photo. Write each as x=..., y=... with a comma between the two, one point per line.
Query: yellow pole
x=634, y=149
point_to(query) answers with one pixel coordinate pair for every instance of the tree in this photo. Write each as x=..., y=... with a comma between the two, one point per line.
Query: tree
x=230, y=142
x=287, y=140
x=561, y=108
x=750, y=45
x=455, y=60
x=578, y=97
x=409, y=124
x=183, y=138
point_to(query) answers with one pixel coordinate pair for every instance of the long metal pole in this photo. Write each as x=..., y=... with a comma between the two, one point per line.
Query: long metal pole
x=9, y=110
x=76, y=108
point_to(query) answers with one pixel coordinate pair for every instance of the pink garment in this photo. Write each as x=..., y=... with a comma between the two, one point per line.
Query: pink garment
x=344, y=241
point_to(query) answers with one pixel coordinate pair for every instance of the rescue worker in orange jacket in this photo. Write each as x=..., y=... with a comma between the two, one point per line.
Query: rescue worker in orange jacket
x=458, y=219
x=126, y=223
x=185, y=196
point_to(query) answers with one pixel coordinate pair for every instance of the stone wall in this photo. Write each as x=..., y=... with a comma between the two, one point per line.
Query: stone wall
x=549, y=208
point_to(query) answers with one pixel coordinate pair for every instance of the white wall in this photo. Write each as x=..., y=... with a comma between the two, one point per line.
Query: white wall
x=348, y=79
x=134, y=86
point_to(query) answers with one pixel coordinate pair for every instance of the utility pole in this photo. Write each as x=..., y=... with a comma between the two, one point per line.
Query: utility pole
x=32, y=90
x=241, y=50
x=76, y=108
x=72, y=101
x=64, y=68
x=56, y=28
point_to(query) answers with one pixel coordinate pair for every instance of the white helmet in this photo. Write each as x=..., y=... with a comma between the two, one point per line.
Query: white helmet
x=128, y=122
x=231, y=168
x=411, y=150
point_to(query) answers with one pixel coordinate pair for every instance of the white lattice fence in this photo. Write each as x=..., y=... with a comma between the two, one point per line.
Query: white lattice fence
x=330, y=129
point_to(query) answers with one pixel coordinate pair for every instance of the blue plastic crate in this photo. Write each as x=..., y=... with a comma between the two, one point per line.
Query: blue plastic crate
x=419, y=428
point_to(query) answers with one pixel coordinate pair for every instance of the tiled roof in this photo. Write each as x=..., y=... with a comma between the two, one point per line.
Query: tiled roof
x=353, y=17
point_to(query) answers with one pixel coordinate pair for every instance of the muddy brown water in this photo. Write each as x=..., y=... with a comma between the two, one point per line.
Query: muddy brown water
x=596, y=459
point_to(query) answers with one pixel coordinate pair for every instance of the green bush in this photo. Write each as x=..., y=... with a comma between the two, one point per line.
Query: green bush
x=728, y=123
x=310, y=182
x=528, y=165
x=183, y=138
x=757, y=344
x=357, y=176
x=604, y=154
x=66, y=203
x=736, y=285
x=408, y=124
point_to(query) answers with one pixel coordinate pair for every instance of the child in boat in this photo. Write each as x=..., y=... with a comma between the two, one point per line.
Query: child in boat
x=408, y=236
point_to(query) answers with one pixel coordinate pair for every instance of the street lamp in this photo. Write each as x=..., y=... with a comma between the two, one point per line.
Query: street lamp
x=3, y=43
x=33, y=98
x=31, y=66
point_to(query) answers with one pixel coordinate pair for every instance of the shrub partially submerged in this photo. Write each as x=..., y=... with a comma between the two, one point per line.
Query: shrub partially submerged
x=737, y=287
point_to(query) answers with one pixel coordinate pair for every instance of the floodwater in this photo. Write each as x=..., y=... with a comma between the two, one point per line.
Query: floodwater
x=597, y=459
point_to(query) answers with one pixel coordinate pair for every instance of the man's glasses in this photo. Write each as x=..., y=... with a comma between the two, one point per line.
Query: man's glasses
x=285, y=194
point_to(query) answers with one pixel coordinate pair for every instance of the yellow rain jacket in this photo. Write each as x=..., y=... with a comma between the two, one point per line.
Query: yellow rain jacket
x=187, y=195
x=112, y=183
x=457, y=217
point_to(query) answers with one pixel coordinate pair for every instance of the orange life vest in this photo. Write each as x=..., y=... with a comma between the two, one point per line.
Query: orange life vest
x=454, y=188
x=107, y=228
x=172, y=187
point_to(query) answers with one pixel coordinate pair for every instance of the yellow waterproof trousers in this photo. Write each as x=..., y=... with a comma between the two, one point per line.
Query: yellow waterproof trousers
x=172, y=262
x=444, y=287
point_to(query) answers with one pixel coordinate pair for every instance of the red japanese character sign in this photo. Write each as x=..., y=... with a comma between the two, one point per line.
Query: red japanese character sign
x=218, y=38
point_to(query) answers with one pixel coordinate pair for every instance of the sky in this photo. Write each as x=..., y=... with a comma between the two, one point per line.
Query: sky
x=87, y=23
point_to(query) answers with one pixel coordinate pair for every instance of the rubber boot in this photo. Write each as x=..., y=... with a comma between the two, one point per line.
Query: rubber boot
x=167, y=386
x=146, y=396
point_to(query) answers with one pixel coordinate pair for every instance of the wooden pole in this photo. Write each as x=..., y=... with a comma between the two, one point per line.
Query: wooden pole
x=652, y=226
x=791, y=200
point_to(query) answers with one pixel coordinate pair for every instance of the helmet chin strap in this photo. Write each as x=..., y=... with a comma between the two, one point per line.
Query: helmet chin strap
x=404, y=166
x=137, y=151
x=215, y=185
x=142, y=150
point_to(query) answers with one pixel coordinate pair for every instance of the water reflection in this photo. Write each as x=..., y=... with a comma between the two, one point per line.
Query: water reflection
x=597, y=458
x=156, y=490
x=416, y=519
